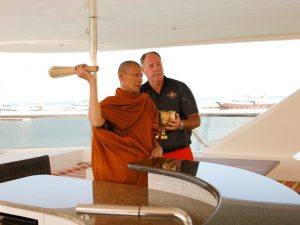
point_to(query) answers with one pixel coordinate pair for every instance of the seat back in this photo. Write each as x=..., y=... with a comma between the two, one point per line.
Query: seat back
x=23, y=168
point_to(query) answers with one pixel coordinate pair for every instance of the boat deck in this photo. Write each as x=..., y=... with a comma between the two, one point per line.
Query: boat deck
x=77, y=171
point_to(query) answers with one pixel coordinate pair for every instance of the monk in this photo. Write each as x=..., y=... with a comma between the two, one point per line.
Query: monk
x=124, y=127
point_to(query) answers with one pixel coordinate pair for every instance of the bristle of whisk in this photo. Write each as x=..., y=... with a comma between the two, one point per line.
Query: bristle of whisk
x=61, y=71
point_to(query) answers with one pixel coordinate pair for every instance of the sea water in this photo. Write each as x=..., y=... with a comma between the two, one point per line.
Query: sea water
x=46, y=132
x=75, y=131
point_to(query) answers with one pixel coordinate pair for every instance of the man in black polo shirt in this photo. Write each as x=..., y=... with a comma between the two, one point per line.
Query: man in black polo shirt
x=169, y=94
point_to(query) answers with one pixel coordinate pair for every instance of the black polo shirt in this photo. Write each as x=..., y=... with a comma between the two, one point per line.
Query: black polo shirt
x=175, y=95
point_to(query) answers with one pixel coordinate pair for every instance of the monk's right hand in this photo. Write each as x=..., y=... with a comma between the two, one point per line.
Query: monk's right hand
x=157, y=152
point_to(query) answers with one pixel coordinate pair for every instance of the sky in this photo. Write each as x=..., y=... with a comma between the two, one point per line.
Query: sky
x=225, y=71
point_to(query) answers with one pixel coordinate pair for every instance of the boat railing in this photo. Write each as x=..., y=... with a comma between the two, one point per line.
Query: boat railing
x=220, y=113
x=199, y=138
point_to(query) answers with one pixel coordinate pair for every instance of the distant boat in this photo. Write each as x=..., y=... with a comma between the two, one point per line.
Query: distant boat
x=5, y=107
x=245, y=104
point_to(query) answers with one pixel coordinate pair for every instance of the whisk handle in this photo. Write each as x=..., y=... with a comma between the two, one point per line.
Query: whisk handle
x=92, y=68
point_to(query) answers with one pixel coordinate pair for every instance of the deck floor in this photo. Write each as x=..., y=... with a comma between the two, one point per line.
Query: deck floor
x=77, y=171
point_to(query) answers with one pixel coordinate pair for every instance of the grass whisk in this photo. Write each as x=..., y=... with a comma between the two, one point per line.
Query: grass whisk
x=62, y=71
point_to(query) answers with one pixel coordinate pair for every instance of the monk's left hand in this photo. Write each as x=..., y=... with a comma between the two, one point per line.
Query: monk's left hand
x=157, y=152
x=174, y=124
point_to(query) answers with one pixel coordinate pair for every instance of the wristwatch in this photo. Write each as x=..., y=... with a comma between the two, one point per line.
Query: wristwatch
x=181, y=127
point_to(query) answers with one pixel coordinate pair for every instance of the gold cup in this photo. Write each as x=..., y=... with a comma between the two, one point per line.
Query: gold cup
x=164, y=118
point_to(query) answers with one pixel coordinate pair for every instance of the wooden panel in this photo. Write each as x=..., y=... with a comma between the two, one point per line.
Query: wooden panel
x=262, y=167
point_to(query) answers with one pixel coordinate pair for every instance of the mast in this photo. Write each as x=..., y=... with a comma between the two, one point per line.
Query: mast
x=93, y=33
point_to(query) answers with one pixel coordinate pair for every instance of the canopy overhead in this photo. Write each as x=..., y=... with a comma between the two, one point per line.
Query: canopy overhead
x=61, y=25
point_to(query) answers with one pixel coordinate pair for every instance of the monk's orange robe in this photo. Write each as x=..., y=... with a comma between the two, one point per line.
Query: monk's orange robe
x=134, y=121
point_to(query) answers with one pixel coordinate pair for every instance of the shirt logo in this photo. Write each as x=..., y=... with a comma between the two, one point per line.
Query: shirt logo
x=172, y=94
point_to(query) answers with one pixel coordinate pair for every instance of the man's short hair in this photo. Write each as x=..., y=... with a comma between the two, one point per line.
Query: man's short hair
x=144, y=56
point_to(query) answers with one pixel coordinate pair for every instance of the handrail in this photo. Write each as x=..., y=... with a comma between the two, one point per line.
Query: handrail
x=138, y=211
x=199, y=138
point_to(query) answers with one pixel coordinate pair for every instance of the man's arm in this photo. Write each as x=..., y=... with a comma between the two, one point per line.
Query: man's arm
x=191, y=122
x=95, y=115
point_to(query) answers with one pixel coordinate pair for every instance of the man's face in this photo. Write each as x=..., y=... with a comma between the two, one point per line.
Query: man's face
x=131, y=78
x=152, y=68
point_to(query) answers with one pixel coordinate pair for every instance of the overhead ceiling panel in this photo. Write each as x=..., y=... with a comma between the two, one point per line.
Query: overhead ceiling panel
x=62, y=26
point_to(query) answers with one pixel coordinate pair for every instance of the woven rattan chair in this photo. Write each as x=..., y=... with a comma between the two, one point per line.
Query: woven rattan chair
x=24, y=168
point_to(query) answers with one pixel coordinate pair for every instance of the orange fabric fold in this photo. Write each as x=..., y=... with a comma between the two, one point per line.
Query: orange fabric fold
x=135, y=124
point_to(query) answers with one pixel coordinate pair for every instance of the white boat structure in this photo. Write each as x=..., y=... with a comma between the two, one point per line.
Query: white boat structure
x=60, y=26
x=271, y=135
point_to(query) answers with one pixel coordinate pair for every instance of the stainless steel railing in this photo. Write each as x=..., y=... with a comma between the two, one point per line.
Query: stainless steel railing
x=137, y=211
x=199, y=138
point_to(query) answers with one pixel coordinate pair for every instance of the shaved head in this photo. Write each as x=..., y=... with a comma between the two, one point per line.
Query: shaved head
x=125, y=65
